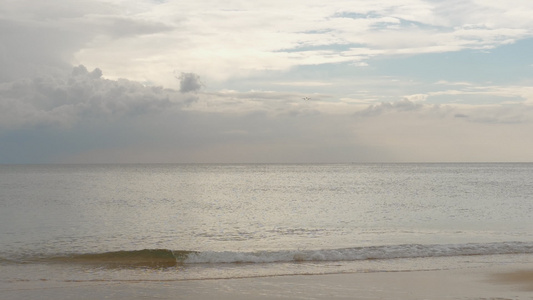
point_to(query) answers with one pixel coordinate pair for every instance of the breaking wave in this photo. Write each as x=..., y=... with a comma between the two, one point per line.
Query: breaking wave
x=169, y=258
x=156, y=257
x=360, y=253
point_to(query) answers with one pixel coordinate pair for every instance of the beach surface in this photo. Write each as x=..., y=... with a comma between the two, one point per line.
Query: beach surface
x=505, y=282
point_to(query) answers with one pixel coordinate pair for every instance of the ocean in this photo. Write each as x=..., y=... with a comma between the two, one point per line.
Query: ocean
x=69, y=224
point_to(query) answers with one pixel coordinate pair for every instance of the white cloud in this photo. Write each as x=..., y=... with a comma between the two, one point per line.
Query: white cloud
x=521, y=94
x=236, y=39
x=303, y=83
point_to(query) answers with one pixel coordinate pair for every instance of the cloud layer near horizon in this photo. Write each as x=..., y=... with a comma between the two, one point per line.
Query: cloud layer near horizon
x=83, y=117
x=387, y=81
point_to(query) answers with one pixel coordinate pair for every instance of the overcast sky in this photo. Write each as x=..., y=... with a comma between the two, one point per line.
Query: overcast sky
x=140, y=81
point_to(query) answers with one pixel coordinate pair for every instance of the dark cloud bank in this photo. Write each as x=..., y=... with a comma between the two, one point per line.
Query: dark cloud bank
x=44, y=117
x=80, y=96
x=80, y=116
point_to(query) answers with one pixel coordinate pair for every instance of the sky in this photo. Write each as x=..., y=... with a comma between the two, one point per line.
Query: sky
x=303, y=81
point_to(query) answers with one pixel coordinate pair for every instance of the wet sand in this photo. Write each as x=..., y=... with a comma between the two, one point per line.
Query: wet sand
x=499, y=283
x=522, y=279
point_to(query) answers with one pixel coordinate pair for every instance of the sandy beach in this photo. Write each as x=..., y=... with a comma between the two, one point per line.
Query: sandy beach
x=507, y=282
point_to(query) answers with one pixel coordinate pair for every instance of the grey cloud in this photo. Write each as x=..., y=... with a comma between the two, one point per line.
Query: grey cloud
x=47, y=11
x=39, y=39
x=398, y=106
x=500, y=114
x=30, y=49
x=81, y=70
x=189, y=82
x=80, y=96
x=505, y=114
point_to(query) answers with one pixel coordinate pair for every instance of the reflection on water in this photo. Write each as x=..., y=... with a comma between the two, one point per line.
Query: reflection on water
x=110, y=217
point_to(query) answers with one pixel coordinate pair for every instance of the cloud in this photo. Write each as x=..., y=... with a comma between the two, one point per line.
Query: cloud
x=39, y=39
x=418, y=107
x=189, y=82
x=29, y=50
x=81, y=96
x=81, y=70
x=404, y=105
x=243, y=39
x=499, y=114
x=260, y=59
x=124, y=27
x=83, y=117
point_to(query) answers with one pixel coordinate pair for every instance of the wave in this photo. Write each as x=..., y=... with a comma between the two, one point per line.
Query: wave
x=126, y=258
x=360, y=253
x=145, y=257
x=169, y=258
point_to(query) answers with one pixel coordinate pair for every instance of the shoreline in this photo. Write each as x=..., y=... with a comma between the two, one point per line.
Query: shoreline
x=500, y=282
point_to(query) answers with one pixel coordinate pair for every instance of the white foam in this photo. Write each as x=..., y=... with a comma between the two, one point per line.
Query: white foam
x=360, y=253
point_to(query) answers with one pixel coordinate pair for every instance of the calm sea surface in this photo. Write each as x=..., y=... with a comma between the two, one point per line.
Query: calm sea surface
x=76, y=223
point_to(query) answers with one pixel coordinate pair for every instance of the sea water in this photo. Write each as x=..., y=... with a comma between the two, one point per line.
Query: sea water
x=65, y=224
